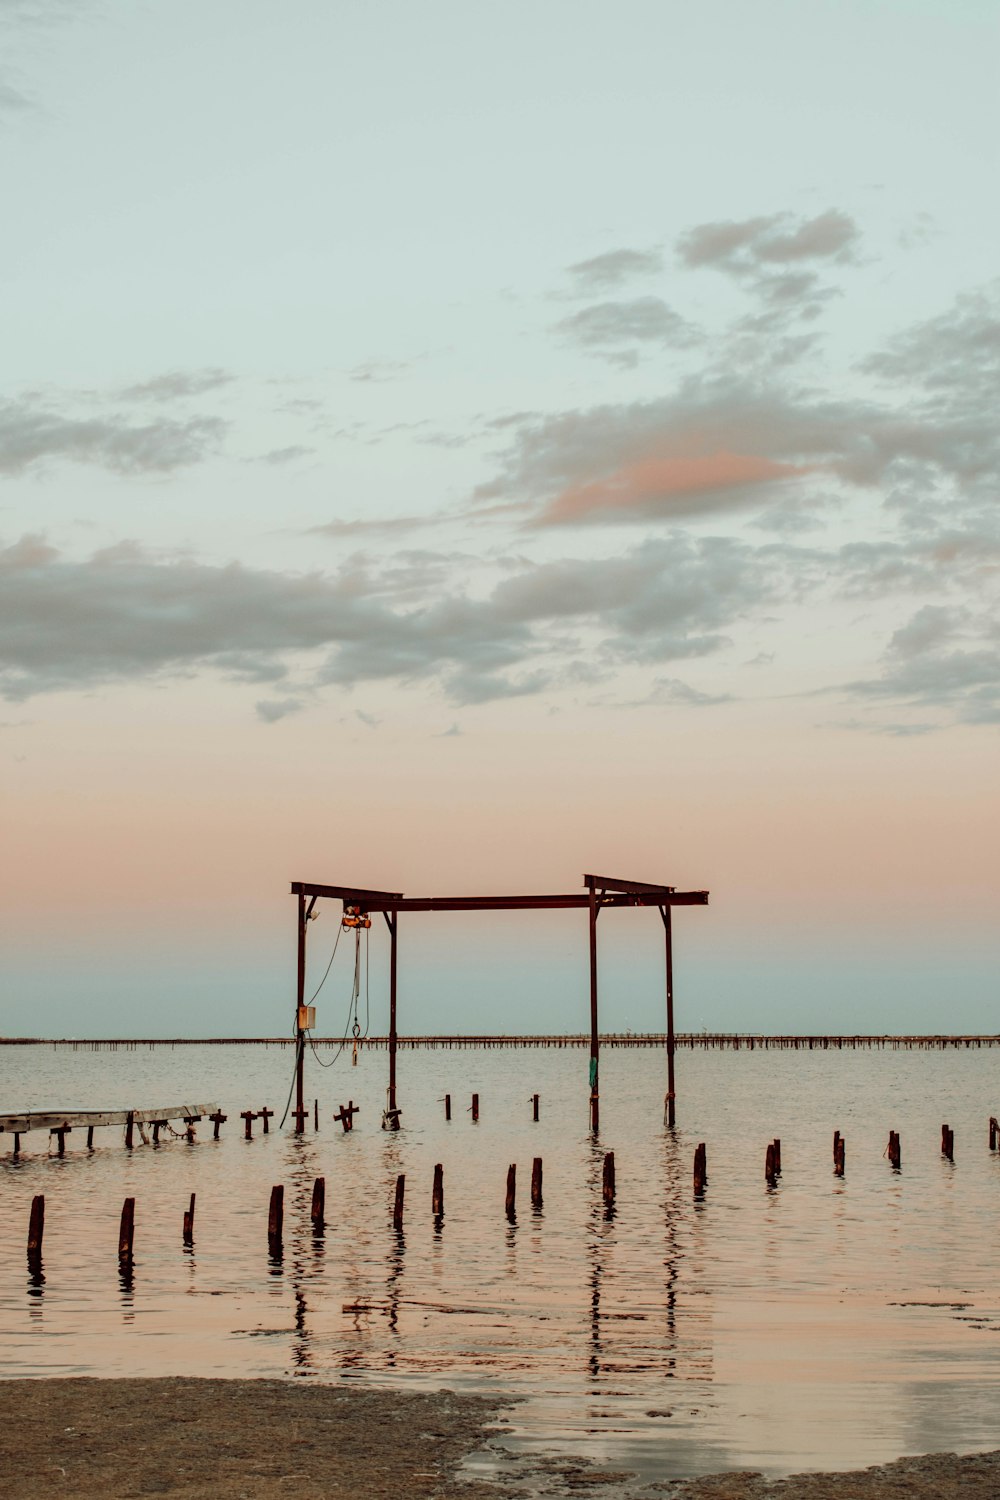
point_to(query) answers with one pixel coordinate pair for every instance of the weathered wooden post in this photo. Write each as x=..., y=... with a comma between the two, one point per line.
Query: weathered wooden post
x=509, y=1199
x=608, y=1180
x=315, y=1114
x=534, y=1107
x=36, y=1228
x=994, y=1131
x=770, y=1176
x=700, y=1170
x=894, y=1150
x=126, y=1232
x=247, y=1116
x=948, y=1142
x=437, y=1192
x=217, y=1119
x=536, y=1182
x=447, y=1106
x=318, y=1210
x=397, y=1207
x=839, y=1155
x=90, y=1137
x=777, y=1157
x=189, y=1223
x=265, y=1114
x=475, y=1106
x=129, y=1123
x=595, y=1043
x=670, y=1102
x=276, y=1219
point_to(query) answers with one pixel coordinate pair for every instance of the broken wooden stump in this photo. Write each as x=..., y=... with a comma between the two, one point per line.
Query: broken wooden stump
x=317, y=1212
x=447, y=1106
x=511, y=1193
x=893, y=1150
x=994, y=1132
x=126, y=1232
x=276, y=1220
x=36, y=1228
x=474, y=1106
x=608, y=1180
x=536, y=1182
x=188, y=1229
x=437, y=1192
x=770, y=1174
x=534, y=1107
x=839, y=1154
x=345, y=1115
x=700, y=1170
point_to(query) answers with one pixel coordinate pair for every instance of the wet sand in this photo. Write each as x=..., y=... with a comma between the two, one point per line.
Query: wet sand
x=261, y=1439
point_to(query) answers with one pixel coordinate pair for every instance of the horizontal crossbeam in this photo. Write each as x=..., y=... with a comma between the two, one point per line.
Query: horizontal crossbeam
x=375, y=901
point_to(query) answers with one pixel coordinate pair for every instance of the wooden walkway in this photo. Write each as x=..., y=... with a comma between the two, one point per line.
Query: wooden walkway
x=87, y=1119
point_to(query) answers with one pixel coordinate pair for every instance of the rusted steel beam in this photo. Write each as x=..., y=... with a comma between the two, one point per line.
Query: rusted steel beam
x=350, y=893
x=660, y=896
x=609, y=883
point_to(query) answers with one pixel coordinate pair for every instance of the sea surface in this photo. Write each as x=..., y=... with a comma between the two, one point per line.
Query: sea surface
x=816, y=1323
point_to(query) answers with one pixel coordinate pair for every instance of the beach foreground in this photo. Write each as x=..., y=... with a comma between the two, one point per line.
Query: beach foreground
x=261, y=1439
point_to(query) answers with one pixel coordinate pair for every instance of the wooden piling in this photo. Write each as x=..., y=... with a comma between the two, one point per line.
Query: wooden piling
x=397, y=1207
x=217, y=1119
x=475, y=1106
x=188, y=1231
x=129, y=1124
x=315, y=1114
x=17, y=1145
x=126, y=1232
x=839, y=1155
x=90, y=1137
x=994, y=1132
x=894, y=1150
x=700, y=1170
x=770, y=1176
x=36, y=1227
x=318, y=1211
x=534, y=1107
x=608, y=1180
x=536, y=1182
x=510, y=1197
x=836, y=1144
x=247, y=1116
x=276, y=1215
x=948, y=1142
x=437, y=1192
x=447, y=1106
x=777, y=1157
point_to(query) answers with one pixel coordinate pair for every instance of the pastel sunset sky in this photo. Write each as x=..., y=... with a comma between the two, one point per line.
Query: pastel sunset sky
x=449, y=448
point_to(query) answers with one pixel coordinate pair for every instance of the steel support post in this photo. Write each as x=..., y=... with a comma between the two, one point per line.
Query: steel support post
x=393, y=921
x=595, y=1096
x=300, y=1107
x=669, y=1103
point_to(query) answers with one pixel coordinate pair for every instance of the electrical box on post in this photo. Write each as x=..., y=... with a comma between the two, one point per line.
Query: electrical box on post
x=307, y=1017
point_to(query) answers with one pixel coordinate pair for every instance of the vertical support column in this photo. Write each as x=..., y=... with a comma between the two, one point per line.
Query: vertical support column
x=393, y=919
x=300, y=1045
x=595, y=1095
x=669, y=1103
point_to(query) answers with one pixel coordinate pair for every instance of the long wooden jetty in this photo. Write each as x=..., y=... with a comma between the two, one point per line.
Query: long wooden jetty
x=49, y=1119
x=693, y=1040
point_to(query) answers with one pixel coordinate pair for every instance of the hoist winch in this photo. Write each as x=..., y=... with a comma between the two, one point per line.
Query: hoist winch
x=355, y=917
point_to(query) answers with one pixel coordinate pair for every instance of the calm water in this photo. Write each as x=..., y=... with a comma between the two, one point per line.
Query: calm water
x=824, y=1323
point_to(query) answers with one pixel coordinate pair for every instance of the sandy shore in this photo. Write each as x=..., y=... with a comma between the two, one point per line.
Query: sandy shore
x=261, y=1439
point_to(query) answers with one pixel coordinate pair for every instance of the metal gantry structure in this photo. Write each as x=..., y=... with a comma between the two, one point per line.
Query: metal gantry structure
x=600, y=892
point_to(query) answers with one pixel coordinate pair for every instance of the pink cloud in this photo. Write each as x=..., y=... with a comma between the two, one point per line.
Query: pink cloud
x=667, y=486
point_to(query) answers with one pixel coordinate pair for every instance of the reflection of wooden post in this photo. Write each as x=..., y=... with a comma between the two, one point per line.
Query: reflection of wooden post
x=511, y=1191
x=397, y=1207
x=595, y=1045
x=437, y=1192
x=536, y=1182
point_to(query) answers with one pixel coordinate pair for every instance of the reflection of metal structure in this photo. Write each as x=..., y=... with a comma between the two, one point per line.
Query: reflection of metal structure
x=600, y=891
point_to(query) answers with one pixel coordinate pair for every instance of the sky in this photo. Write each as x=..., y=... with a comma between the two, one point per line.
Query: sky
x=447, y=449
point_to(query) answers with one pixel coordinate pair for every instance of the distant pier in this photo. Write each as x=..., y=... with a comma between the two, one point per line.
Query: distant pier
x=731, y=1041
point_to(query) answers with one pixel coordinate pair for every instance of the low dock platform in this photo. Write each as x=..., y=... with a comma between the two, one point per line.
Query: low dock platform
x=62, y=1123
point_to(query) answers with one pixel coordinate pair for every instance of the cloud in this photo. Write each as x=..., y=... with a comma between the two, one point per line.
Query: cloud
x=286, y=455
x=375, y=526
x=125, y=615
x=670, y=487
x=614, y=268
x=31, y=435
x=744, y=247
x=12, y=99
x=613, y=329
x=177, y=385
x=270, y=710
x=945, y=658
